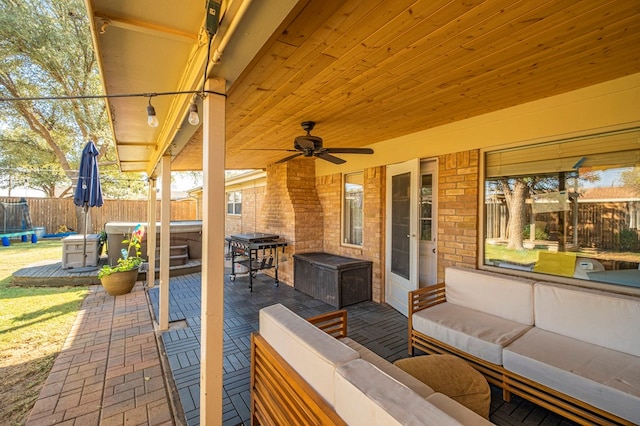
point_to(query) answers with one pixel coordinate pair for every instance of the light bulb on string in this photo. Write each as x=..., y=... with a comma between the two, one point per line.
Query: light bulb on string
x=194, y=119
x=152, y=120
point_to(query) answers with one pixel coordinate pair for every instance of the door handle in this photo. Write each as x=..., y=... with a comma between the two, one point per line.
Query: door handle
x=433, y=250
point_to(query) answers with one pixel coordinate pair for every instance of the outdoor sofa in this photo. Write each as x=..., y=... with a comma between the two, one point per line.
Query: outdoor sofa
x=300, y=375
x=573, y=350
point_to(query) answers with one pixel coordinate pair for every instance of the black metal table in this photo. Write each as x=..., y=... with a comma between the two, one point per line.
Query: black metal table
x=256, y=252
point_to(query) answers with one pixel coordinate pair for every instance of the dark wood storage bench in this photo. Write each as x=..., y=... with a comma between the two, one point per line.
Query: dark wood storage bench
x=336, y=280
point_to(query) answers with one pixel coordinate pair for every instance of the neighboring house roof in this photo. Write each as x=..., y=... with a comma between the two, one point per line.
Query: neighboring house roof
x=248, y=176
x=611, y=194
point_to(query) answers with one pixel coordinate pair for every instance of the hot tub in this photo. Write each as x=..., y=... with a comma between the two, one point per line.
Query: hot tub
x=183, y=232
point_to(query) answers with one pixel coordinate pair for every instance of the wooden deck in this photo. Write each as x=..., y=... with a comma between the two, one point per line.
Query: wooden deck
x=50, y=274
x=377, y=326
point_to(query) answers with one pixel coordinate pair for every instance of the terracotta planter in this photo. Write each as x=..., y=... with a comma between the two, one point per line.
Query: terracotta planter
x=119, y=283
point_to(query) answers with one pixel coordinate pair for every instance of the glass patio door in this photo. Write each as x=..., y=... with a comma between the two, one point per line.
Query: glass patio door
x=428, y=215
x=401, y=230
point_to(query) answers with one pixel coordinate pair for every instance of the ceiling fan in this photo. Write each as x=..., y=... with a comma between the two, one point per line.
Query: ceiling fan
x=311, y=146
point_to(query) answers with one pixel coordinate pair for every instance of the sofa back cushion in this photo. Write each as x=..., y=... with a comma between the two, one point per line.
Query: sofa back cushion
x=597, y=317
x=310, y=351
x=366, y=396
x=496, y=294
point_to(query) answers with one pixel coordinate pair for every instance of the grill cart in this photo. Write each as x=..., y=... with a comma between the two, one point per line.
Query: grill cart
x=255, y=252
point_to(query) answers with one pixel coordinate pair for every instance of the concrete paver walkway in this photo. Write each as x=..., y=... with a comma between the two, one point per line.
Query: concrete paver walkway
x=109, y=371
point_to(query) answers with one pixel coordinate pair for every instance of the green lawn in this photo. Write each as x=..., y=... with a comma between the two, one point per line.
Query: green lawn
x=500, y=252
x=34, y=323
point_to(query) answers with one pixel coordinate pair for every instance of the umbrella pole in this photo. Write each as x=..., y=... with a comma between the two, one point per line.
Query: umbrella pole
x=84, y=245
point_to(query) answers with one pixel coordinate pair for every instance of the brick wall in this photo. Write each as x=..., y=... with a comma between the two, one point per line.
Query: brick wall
x=306, y=211
x=329, y=189
x=252, y=199
x=233, y=224
x=247, y=222
x=458, y=183
x=374, y=213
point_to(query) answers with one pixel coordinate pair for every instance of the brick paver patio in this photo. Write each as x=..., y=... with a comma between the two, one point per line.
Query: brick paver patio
x=109, y=371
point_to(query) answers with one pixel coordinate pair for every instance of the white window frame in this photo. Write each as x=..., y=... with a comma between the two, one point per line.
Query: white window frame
x=236, y=204
x=348, y=235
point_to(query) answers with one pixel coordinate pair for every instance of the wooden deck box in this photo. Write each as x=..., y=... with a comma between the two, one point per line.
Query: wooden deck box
x=336, y=280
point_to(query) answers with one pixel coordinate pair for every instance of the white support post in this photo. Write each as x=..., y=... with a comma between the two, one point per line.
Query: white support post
x=165, y=234
x=213, y=153
x=151, y=234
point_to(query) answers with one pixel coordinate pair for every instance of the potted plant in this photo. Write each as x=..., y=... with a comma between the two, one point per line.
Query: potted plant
x=120, y=278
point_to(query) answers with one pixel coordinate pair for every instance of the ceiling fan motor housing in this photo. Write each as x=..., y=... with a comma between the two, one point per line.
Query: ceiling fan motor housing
x=305, y=143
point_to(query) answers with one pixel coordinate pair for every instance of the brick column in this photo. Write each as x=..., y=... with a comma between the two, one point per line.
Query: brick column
x=291, y=209
x=458, y=183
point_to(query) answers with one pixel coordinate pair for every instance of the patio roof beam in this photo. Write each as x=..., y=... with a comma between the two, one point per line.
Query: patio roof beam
x=143, y=27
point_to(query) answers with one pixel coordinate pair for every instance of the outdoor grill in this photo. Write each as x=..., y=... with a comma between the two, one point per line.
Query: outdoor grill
x=255, y=252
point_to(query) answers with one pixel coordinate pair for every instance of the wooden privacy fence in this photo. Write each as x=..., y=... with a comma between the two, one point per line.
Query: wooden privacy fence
x=59, y=213
x=602, y=225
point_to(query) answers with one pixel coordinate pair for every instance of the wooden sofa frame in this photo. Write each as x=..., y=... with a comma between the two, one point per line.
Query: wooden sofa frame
x=510, y=383
x=279, y=396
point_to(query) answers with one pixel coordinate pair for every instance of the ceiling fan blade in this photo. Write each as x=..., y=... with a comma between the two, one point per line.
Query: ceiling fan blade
x=330, y=158
x=285, y=159
x=269, y=149
x=350, y=150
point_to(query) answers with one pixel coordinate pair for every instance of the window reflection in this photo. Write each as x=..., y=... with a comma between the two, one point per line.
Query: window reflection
x=582, y=223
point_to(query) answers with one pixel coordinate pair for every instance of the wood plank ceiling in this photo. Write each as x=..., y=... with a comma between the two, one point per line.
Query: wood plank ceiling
x=367, y=71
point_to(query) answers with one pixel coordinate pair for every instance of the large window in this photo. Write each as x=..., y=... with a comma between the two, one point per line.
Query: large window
x=352, y=218
x=234, y=202
x=569, y=208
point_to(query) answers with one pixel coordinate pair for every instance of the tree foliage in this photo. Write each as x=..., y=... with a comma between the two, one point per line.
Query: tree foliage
x=631, y=178
x=46, y=51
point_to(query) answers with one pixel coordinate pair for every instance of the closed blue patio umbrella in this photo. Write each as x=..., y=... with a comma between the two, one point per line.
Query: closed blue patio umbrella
x=88, y=191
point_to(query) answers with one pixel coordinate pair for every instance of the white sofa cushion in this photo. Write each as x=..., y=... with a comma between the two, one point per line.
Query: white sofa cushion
x=602, y=377
x=385, y=366
x=495, y=294
x=366, y=396
x=471, y=331
x=457, y=410
x=310, y=351
x=597, y=317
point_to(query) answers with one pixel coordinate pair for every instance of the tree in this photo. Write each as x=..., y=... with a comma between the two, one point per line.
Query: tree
x=515, y=193
x=29, y=163
x=631, y=178
x=46, y=51
x=517, y=190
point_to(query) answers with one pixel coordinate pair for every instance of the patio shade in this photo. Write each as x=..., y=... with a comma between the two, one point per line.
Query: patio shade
x=88, y=191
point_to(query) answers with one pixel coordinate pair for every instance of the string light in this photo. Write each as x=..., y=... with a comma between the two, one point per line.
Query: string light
x=194, y=119
x=152, y=120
